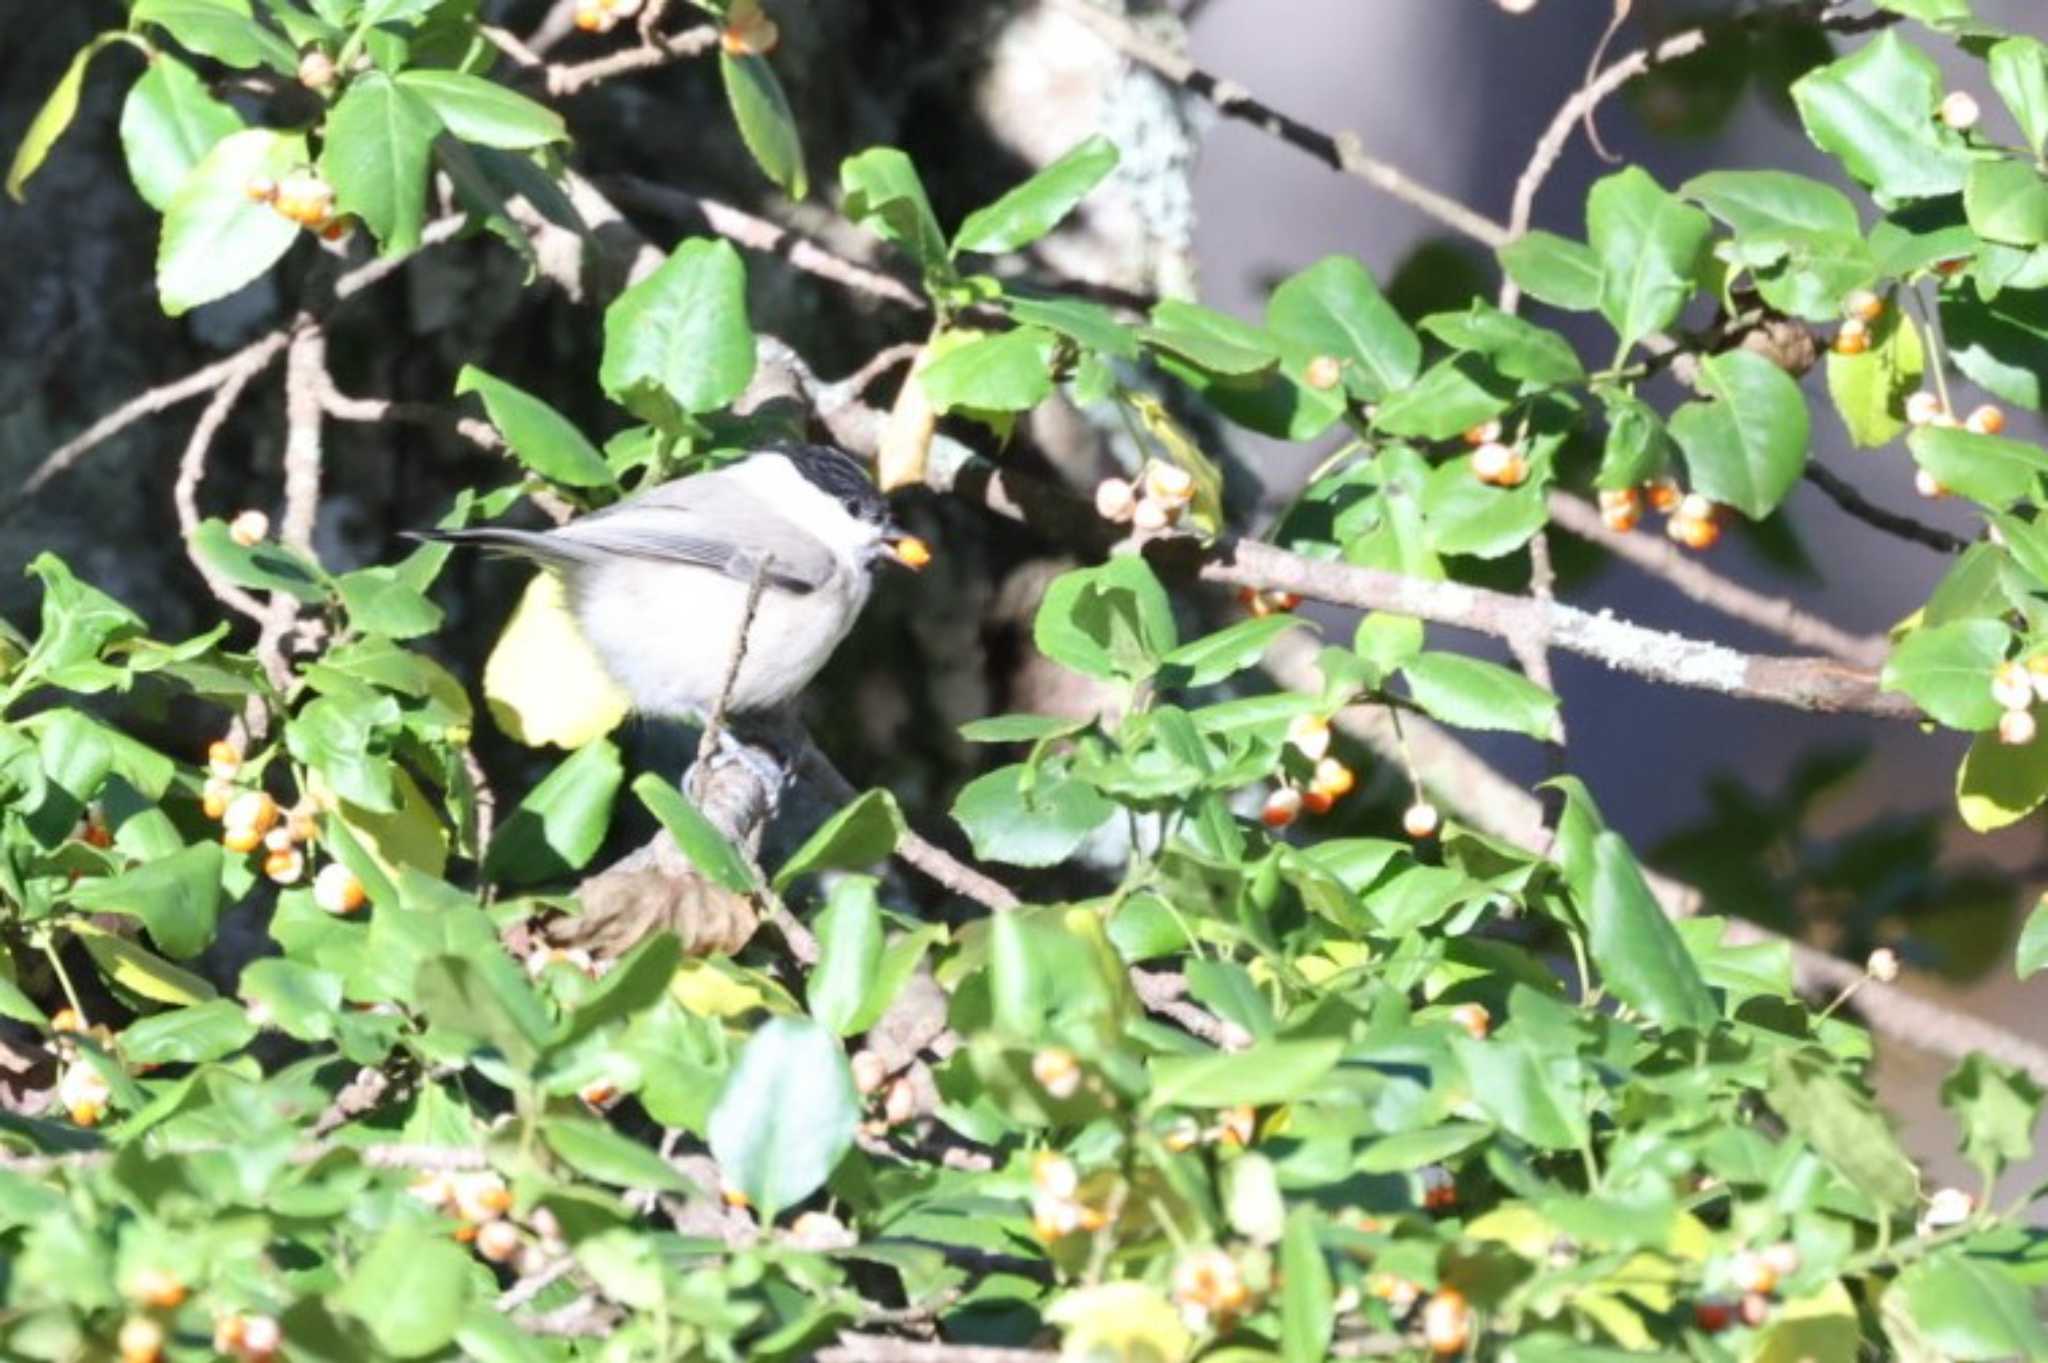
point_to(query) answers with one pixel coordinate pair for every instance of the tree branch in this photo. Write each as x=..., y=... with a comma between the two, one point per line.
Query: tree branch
x=1343, y=151
x=192, y=470
x=1843, y=494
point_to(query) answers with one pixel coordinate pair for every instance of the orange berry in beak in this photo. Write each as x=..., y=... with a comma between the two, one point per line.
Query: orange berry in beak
x=910, y=551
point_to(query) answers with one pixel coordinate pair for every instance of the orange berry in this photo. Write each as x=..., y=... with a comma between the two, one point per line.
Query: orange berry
x=1852, y=339
x=1446, y=1322
x=141, y=1340
x=1751, y=1273
x=337, y=890
x=1335, y=779
x=1057, y=1072
x=285, y=867
x=241, y=840
x=1486, y=433
x=1421, y=820
x=1664, y=494
x=253, y=810
x=158, y=1289
x=223, y=758
x=1863, y=306
x=1713, y=1315
x=498, y=1241
x=1986, y=420
x=1317, y=801
x=1236, y=1125
x=1949, y=268
x=1474, y=1018
x=1282, y=808
x=261, y=190
x=1325, y=372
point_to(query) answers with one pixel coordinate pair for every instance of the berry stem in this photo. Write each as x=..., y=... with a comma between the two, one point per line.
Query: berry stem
x=1937, y=346
x=64, y=981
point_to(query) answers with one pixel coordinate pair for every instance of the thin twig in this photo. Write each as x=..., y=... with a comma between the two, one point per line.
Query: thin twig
x=714, y=723
x=1342, y=151
x=1660, y=558
x=192, y=469
x=658, y=50
x=1843, y=494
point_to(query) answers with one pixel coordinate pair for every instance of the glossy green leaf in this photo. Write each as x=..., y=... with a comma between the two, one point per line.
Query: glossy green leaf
x=1511, y=1082
x=412, y=1289
x=298, y=999
x=1006, y=372
x=1029, y=211
x=1773, y=204
x=1472, y=693
x=265, y=566
x=1512, y=345
x=768, y=127
x=483, y=111
x=188, y=1036
x=857, y=837
x=177, y=897
x=1746, y=448
x=1971, y=1309
x=1990, y=469
x=1091, y=324
x=379, y=145
x=1996, y=1107
x=703, y=844
x=1565, y=274
x=1041, y=823
x=1874, y=109
x=1999, y=784
x=1651, y=245
x=682, y=333
x=379, y=601
x=545, y=440
x=1455, y=395
x=1843, y=1126
x=883, y=193
x=2019, y=72
x=138, y=969
x=169, y=122
x=1947, y=669
x=2007, y=201
x=1406, y=1151
x=849, y=955
x=786, y=1114
x=1870, y=390
x=225, y=30
x=486, y=1002
x=1211, y=340
x=1227, y=652
x=2002, y=344
x=562, y=821
x=1267, y=1072
x=1638, y=446
x=215, y=237
x=1335, y=308
x=1640, y=957
x=1307, y=1295
x=1111, y=621
x=595, y=1150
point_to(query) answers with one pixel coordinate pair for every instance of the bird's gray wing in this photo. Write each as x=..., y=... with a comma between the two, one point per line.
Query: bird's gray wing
x=709, y=521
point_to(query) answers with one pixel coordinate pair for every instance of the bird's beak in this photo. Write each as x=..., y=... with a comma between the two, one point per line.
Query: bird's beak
x=908, y=550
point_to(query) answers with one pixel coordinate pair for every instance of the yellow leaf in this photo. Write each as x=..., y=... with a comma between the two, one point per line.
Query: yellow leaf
x=1821, y=1328
x=1181, y=449
x=1124, y=1322
x=412, y=836
x=544, y=682
x=718, y=989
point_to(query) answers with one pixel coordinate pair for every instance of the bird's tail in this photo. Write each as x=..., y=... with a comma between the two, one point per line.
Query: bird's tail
x=530, y=544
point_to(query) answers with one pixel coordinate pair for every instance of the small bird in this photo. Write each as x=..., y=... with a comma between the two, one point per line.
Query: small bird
x=659, y=582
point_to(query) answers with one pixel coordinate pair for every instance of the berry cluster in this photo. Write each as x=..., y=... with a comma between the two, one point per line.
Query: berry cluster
x=1329, y=779
x=248, y=1338
x=1160, y=497
x=1752, y=1277
x=251, y=818
x=1494, y=463
x=304, y=198
x=1695, y=521
x=2016, y=686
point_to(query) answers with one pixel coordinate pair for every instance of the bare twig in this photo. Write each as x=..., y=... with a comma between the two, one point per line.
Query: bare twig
x=1660, y=558
x=1342, y=151
x=1164, y=992
x=714, y=723
x=305, y=379
x=192, y=469
x=1843, y=494
x=657, y=50
x=533, y=1284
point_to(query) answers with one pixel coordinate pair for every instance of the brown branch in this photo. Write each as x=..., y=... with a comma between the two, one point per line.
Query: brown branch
x=1692, y=579
x=305, y=379
x=759, y=234
x=192, y=470
x=562, y=80
x=1843, y=494
x=1342, y=151
x=1164, y=992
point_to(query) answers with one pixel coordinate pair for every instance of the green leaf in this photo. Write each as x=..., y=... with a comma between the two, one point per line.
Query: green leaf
x=2032, y=953
x=169, y=123
x=545, y=440
x=1007, y=372
x=562, y=821
x=1640, y=957
x=2019, y=72
x=2007, y=201
x=379, y=144
x=215, y=238
x=883, y=194
x=1455, y=395
x=596, y=1151
x=1032, y=209
x=188, y=1036
x=1999, y=784
x=265, y=566
x=1012, y=818
x=1747, y=447
x=411, y=1289
x=849, y=955
x=1212, y=340
x=301, y=1001
x=53, y=117
x=1651, y=245
x=345, y=742
x=177, y=897
x=1996, y=1106
x=1268, y=1072
x=1842, y=1126
x=1215, y=657
x=1638, y=447
x=1091, y=324
x=1512, y=345
x=379, y=601
x=1874, y=110
x=1107, y=622
x=1307, y=1297
x=1967, y=1309
x=703, y=844
x=225, y=30
x=855, y=838
x=139, y=970
x=1947, y=671
x=483, y=111
x=1773, y=204
x=1565, y=274
x=786, y=1114
x=1020, y=728
x=1870, y=390
x=1334, y=308
x=765, y=122
x=1474, y=694
x=1407, y=1151
x=682, y=332
x=638, y=982
x=1513, y=1084
x=489, y=1003
x=1988, y=469
x=2002, y=344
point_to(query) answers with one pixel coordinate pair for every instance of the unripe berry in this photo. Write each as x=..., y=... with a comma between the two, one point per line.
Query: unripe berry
x=240, y=840
x=1986, y=420
x=1446, y=1322
x=754, y=35
x=1948, y=1207
x=254, y=810
x=157, y=1288
x=1169, y=483
x=1959, y=110
x=480, y=1197
x=1282, y=808
x=1863, y=306
x=1485, y=433
x=2016, y=728
x=1324, y=372
x=1923, y=408
x=1474, y=1018
x=593, y=18
x=1151, y=515
x=497, y=1241
x=1928, y=486
x=1783, y=1257
x=223, y=758
x=1334, y=779
x=316, y=69
x=2012, y=686
x=1421, y=820
x=1115, y=500
x=214, y=801
x=141, y=1340
x=337, y=890
x=279, y=839
x=1750, y=1273
x=1621, y=508
x=1054, y=1175
x=1883, y=966
x=1057, y=1072
x=1310, y=736
x=262, y=1336
x=820, y=1231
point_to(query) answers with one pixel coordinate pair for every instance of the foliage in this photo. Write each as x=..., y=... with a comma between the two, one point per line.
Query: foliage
x=1446, y=1068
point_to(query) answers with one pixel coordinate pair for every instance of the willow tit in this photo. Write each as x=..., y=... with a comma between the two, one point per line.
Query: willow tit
x=659, y=582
